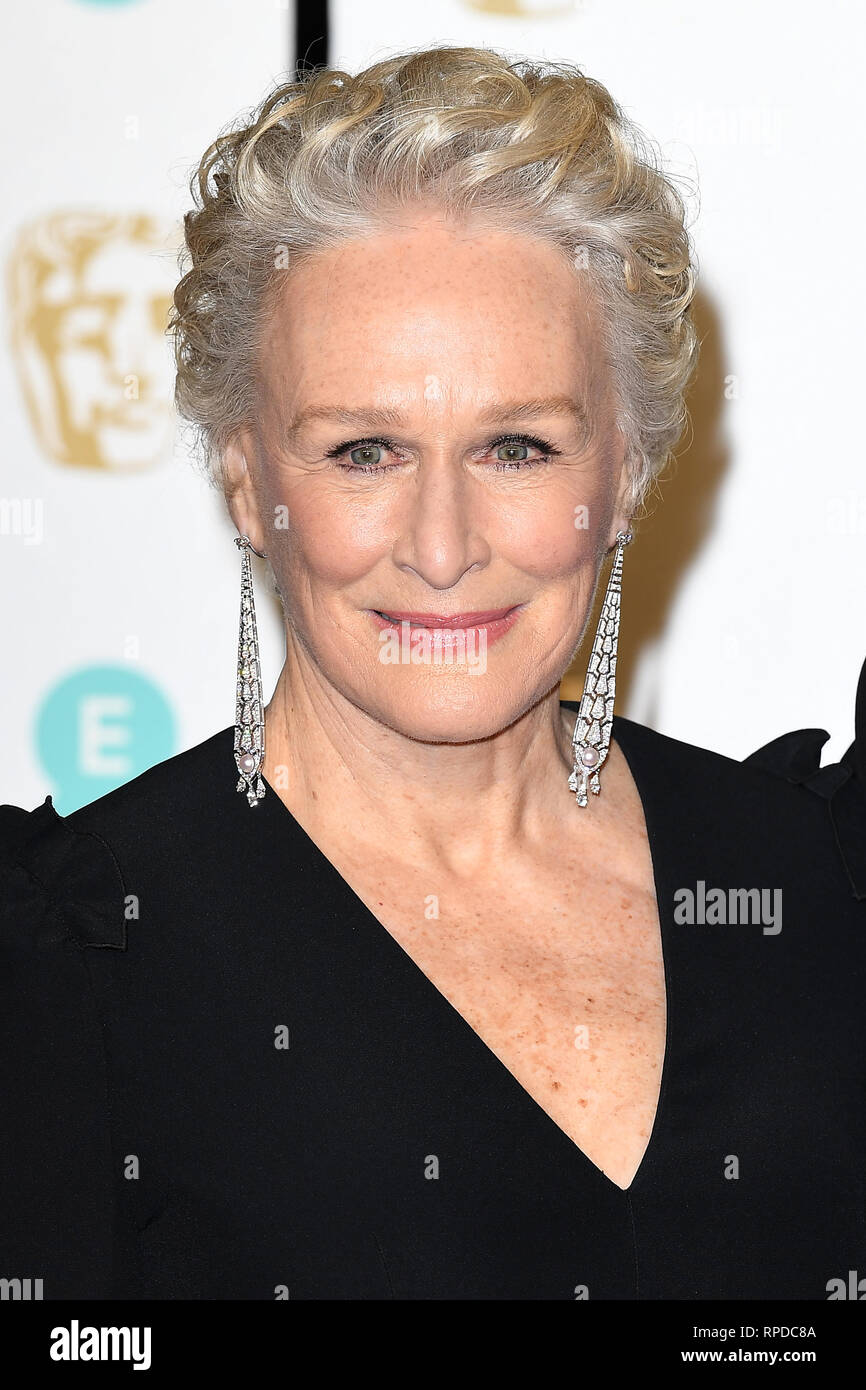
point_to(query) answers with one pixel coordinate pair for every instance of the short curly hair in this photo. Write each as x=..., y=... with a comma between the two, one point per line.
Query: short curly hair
x=534, y=145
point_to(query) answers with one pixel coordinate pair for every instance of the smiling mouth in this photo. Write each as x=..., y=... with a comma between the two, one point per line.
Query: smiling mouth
x=446, y=632
x=453, y=621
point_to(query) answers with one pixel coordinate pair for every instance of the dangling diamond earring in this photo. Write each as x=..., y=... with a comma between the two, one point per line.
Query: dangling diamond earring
x=249, y=714
x=592, y=728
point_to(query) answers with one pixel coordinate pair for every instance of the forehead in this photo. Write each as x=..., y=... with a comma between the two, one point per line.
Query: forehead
x=480, y=308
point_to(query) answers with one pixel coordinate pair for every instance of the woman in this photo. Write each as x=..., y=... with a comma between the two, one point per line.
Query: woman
x=470, y=993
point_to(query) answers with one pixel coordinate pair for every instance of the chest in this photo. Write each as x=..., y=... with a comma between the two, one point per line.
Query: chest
x=560, y=975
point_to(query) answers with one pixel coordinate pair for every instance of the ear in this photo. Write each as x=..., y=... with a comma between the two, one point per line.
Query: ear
x=240, y=490
x=621, y=518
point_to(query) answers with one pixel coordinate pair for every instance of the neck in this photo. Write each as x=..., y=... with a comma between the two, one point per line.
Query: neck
x=346, y=776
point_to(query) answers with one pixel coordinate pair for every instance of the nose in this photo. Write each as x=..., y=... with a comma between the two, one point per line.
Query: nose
x=442, y=534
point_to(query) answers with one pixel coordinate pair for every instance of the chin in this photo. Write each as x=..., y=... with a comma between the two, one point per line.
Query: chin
x=452, y=707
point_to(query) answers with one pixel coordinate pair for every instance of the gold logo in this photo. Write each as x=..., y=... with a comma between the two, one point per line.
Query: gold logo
x=525, y=9
x=89, y=296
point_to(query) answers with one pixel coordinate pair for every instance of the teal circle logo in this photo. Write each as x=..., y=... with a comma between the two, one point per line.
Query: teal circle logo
x=99, y=728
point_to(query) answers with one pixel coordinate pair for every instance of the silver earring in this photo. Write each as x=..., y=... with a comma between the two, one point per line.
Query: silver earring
x=592, y=728
x=249, y=713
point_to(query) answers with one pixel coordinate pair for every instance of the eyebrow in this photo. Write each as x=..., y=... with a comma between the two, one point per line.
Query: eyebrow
x=384, y=416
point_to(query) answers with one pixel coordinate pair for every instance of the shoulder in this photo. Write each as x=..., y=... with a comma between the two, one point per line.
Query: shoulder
x=166, y=799
x=779, y=790
x=67, y=878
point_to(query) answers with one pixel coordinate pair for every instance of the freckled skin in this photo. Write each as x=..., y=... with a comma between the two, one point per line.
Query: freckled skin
x=375, y=321
x=418, y=780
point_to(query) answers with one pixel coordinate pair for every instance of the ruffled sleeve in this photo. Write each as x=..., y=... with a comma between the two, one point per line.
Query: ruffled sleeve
x=61, y=892
x=796, y=756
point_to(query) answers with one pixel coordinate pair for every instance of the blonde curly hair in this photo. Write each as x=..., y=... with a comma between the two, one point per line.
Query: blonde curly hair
x=532, y=145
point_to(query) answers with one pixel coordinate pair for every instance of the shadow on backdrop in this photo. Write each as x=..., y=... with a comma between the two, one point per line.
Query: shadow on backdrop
x=681, y=513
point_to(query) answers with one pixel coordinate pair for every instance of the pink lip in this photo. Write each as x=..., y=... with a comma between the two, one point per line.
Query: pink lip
x=493, y=622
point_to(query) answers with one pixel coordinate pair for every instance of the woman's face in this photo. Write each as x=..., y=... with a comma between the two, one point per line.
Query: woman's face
x=434, y=439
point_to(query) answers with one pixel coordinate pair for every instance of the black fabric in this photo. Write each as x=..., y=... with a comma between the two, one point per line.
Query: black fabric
x=157, y=1144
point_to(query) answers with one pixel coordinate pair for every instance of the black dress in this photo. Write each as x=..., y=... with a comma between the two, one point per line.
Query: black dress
x=224, y=1079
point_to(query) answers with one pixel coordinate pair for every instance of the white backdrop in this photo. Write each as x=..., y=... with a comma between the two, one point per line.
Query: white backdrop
x=119, y=575
x=743, y=597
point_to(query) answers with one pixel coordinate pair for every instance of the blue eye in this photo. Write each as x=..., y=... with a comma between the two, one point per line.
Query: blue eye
x=368, y=450
x=523, y=442
x=513, y=459
x=366, y=455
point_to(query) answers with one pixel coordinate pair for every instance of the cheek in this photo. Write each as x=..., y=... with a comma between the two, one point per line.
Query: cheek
x=331, y=539
x=551, y=534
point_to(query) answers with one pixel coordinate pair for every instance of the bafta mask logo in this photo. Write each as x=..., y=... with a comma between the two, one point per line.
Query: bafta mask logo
x=526, y=9
x=89, y=296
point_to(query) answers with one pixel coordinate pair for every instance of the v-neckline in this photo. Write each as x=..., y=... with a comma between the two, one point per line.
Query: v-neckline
x=389, y=941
